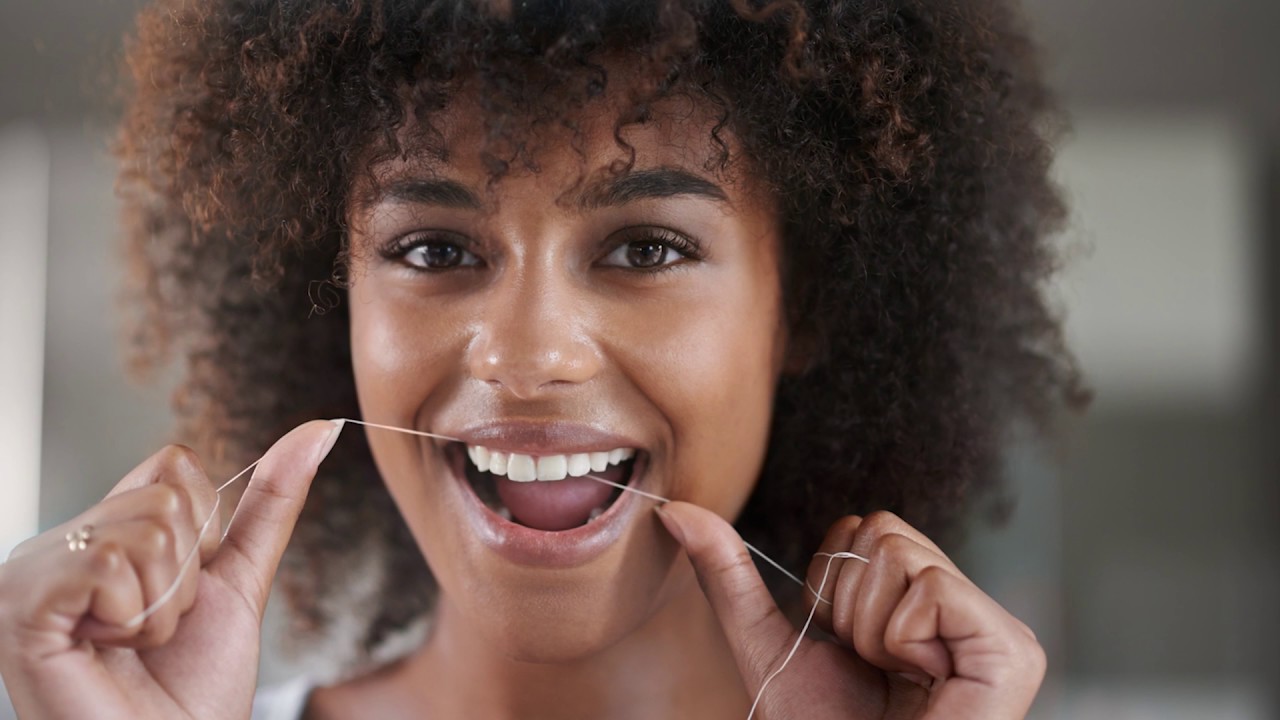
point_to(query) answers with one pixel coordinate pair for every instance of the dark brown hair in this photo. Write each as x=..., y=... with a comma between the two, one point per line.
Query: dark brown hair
x=907, y=143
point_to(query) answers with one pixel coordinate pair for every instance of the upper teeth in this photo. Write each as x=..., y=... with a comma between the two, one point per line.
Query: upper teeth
x=526, y=468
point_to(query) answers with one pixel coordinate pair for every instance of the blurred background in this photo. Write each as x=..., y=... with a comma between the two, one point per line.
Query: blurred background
x=1145, y=550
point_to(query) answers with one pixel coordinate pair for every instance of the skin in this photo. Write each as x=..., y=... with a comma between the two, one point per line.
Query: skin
x=549, y=322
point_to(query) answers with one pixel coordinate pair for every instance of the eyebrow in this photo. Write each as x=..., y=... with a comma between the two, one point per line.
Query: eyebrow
x=638, y=185
x=431, y=191
x=651, y=184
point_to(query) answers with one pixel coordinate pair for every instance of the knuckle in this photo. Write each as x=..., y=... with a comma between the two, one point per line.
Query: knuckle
x=934, y=578
x=891, y=544
x=1034, y=659
x=180, y=458
x=1025, y=665
x=171, y=503
x=880, y=523
x=156, y=540
x=107, y=558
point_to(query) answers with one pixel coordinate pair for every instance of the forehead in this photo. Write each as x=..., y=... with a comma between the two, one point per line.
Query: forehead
x=474, y=156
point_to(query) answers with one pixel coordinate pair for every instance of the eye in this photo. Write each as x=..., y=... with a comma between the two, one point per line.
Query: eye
x=652, y=249
x=432, y=253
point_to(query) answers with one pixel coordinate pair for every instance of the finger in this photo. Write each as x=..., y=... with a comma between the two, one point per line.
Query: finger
x=864, y=608
x=845, y=586
x=756, y=629
x=824, y=570
x=881, y=523
x=157, y=555
x=170, y=459
x=269, y=509
x=116, y=598
x=61, y=589
x=864, y=595
x=177, y=467
x=181, y=503
x=951, y=630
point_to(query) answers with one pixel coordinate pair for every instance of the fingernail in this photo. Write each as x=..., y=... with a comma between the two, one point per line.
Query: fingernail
x=333, y=438
x=672, y=525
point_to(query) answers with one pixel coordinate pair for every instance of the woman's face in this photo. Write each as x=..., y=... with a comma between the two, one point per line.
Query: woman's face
x=553, y=319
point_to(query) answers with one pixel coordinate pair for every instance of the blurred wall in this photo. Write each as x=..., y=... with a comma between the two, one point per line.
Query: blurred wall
x=24, y=198
x=1146, y=545
x=98, y=423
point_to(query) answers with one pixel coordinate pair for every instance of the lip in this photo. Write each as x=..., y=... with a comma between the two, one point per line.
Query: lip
x=543, y=438
x=526, y=546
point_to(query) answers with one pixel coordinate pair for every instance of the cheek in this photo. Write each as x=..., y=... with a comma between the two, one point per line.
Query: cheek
x=713, y=372
x=397, y=354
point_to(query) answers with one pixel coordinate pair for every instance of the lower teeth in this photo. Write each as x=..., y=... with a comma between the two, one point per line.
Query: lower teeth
x=595, y=514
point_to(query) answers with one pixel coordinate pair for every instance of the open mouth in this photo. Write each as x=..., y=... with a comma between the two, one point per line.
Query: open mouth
x=549, y=493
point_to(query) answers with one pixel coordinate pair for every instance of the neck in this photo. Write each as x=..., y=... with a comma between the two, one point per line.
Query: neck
x=677, y=665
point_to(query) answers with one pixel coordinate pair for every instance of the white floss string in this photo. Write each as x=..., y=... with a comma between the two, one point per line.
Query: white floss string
x=195, y=548
x=341, y=423
x=831, y=557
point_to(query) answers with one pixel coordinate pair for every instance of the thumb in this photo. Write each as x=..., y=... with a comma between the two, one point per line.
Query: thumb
x=269, y=509
x=757, y=631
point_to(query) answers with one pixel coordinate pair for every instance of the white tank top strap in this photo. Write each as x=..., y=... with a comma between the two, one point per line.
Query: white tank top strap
x=286, y=701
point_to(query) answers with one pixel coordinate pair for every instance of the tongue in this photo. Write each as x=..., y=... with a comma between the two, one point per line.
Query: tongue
x=552, y=505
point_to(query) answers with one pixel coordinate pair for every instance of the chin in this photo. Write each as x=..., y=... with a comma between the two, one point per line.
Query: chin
x=541, y=616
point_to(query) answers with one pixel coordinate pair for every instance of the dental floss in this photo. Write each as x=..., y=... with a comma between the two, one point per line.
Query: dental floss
x=831, y=557
x=341, y=423
x=150, y=610
x=750, y=547
x=195, y=548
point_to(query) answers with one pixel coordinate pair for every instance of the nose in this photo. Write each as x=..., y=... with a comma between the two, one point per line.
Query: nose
x=532, y=338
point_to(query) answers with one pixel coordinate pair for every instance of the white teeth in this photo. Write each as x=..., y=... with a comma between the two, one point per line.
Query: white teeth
x=504, y=512
x=498, y=463
x=479, y=456
x=527, y=468
x=595, y=513
x=520, y=468
x=579, y=465
x=599, y=461
x=553, y=467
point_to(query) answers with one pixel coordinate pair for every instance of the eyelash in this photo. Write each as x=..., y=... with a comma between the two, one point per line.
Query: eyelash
x=688, y=248
x=399, y=248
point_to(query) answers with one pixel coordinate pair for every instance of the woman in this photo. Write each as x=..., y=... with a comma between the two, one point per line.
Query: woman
x=776, y=264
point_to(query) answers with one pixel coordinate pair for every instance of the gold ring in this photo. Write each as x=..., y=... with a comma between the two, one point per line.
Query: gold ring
x=79, y=539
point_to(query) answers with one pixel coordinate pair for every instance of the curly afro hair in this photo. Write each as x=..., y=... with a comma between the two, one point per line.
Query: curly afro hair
x=907, y=143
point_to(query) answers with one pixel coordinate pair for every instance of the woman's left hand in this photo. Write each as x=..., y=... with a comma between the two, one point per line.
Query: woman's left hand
x=917, y=639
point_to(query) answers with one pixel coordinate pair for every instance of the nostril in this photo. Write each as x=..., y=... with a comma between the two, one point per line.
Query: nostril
x=525, y=369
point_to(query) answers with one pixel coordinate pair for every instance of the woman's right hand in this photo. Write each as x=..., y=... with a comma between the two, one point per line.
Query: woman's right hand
x=65, y=650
